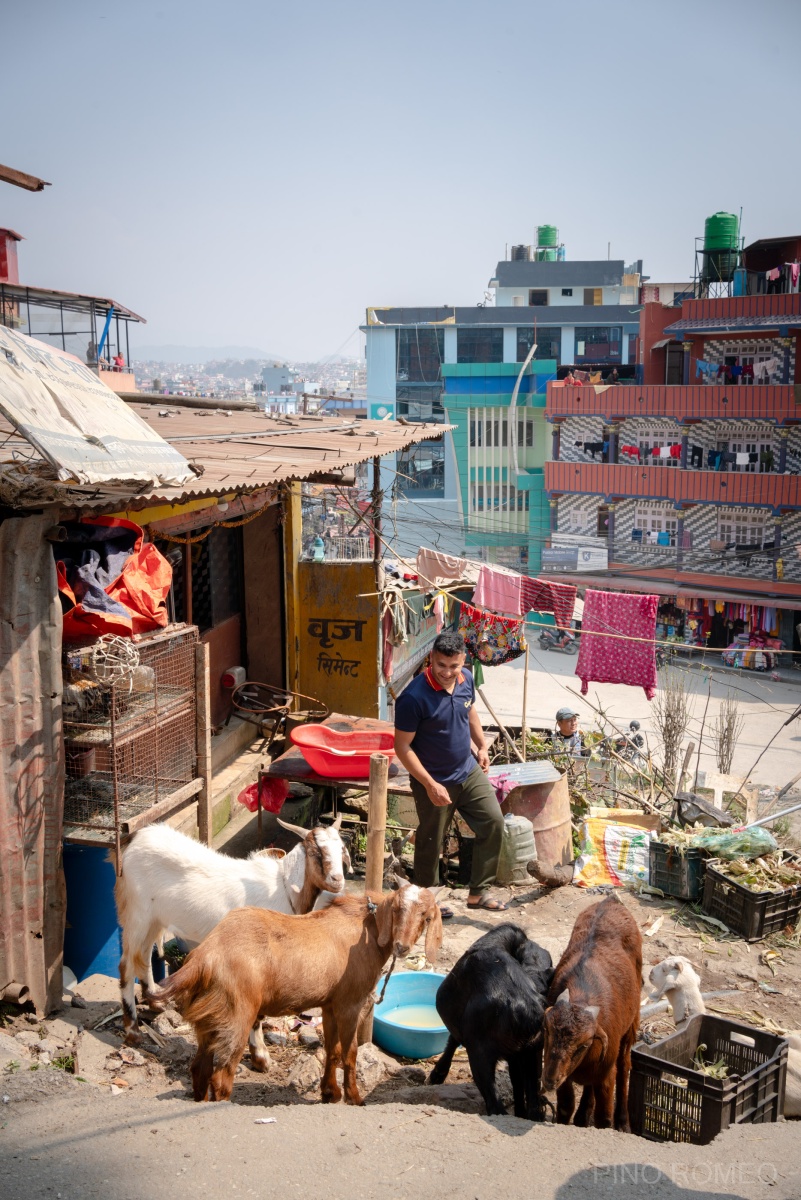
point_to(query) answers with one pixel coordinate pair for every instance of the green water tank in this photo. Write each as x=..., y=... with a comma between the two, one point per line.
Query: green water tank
x=721, y=232
x=547, y=235
x=546, y=255
x=721, y=246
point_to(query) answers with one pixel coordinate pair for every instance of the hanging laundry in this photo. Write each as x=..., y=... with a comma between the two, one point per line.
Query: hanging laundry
x=795, y=270
x=538, y=595
x=491, y=639
x=742, y=458
x=435, y=569
x=499, y=590
x=748, y=371
x=664, y=451
x=636, y=535
x=696, y=456
x=774, y=274
x=593, y=448
x=618, y=659
x=675, y=450
x=736, y=371
x=663, y=538
x=634, y=451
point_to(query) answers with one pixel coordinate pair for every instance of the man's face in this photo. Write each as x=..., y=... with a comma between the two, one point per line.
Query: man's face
x=568, y=727
x=445, y=668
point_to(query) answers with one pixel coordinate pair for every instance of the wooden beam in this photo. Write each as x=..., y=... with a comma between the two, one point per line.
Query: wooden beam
x=203, y=691
x=376, y=823
x=31, y=183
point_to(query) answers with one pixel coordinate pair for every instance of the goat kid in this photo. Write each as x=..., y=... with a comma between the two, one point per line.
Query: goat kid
x=171, y=882
x=594, y=1016
x=492, y=1003
x=677, y=980
x=258, y=964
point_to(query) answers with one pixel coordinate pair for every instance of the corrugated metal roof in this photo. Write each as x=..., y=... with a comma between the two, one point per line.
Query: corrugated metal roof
x=546, y=314
x=238, y=452
x=32, y=900
x=73, y=301
x=568, y=273
x=736, y=324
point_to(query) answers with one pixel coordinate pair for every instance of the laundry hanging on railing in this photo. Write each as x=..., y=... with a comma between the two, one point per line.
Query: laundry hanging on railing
x=626, y=658
x=489, y=638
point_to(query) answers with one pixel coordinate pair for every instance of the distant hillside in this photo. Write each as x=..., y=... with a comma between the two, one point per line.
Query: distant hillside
x=198, y=354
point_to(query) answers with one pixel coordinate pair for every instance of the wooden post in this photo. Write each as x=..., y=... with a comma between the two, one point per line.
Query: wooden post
x=203, y=719
x=374, y=874
x=376, y=823
x=512, y=744
x=525, y=705
x=187, y=563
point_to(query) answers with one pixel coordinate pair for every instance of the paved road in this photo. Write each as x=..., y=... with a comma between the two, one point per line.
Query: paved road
x=765, y=706
x=78, y=1142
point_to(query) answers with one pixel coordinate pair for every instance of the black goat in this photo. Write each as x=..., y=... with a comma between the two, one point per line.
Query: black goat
x=493, y=1003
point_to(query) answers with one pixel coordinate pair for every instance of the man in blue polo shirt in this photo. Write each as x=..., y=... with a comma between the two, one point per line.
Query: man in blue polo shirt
x=436, y=727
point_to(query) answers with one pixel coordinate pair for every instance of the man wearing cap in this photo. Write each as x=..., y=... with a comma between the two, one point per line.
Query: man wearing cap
x=436, y=729
x=567, y=737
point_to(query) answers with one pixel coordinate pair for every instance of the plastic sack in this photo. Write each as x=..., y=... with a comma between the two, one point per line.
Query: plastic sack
x=611, y=854
x=742, y=843
x=273, y=794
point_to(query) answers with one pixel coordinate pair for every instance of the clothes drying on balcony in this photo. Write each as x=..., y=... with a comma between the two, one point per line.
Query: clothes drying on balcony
x=634, y=451
x=629, y=658
x=489, y=638
x=696, y=456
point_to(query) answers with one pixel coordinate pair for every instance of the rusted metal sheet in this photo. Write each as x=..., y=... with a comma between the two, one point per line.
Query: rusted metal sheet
x=32, y=895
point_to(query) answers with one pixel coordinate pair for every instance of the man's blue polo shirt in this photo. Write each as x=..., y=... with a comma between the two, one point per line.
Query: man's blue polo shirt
x=440, y=721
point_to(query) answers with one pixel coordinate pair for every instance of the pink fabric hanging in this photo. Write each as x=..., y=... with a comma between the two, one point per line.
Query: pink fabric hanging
x=616, y=659
x=498, y=590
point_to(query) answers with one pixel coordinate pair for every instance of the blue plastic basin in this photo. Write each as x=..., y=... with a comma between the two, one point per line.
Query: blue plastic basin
x=410, y=995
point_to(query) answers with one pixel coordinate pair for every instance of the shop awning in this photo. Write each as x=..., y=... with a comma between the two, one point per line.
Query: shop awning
x=664, y=342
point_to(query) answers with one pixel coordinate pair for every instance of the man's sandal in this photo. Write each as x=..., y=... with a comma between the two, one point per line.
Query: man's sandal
x=490, y=904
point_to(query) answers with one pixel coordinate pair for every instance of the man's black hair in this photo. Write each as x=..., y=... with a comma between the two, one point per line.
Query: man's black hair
x=449, y=643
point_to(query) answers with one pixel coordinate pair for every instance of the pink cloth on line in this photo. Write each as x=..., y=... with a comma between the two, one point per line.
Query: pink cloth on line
x=499, y=591
x=558, y=598
x=611, y=659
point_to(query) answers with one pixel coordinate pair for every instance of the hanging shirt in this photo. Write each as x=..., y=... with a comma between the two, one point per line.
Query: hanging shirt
x=618, y=659
x=539, y=595
x=500, y=590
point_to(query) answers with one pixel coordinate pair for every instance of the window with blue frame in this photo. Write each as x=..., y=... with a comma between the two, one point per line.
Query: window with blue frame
x=421, y=470
x=419, y=352
x=549, y=343
x=479, y=345
x=598, y=343
x=420, y=401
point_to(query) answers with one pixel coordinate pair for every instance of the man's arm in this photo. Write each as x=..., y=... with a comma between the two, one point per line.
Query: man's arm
x=478, y=739
x=437, y=794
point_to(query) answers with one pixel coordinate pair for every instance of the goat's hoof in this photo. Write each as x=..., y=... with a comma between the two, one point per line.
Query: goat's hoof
x=132, y=1037
x=259, y=1063
x=331, y=1097
x=356, y=1100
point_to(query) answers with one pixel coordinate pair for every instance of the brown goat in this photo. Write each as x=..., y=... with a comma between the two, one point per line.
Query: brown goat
x=590, y=1028
x=257, y=963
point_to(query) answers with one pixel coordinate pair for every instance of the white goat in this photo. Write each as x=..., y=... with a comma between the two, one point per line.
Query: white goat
x=170, y=882
x=676, y=979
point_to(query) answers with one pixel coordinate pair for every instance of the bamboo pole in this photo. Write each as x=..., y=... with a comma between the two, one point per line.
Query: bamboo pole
x=525, y=706
x=376, y=823
x=203, y=725
x=502, y=727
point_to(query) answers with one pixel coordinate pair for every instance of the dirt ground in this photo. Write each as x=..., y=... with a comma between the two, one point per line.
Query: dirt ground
x=77, y=1119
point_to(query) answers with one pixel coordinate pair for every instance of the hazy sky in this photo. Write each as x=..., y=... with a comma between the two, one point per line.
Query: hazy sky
x=257, y=173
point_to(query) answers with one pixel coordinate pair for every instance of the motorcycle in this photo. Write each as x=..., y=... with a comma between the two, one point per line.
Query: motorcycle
x=629, y=745
x=559, y=639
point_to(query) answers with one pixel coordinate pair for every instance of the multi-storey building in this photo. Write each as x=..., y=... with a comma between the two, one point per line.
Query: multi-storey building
x=470, y=491
x=693, y=486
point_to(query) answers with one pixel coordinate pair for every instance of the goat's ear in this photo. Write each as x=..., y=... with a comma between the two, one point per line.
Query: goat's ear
x=401, y=882
x=563, y=997
x=347, y=864
x=298, y=830
x=434, y=936
x=383, y=916
x=436, y=892
x=593, y=1010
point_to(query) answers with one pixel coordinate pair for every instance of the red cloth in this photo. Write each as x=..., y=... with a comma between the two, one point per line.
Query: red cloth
x=558, y=598
x=613, y=659
x=675, y=451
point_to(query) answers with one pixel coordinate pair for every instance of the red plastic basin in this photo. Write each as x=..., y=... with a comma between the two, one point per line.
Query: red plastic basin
x=340, y=755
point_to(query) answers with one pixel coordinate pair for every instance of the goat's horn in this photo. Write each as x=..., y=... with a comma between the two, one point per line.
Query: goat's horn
x=338, y=823
x=298, y=830
x=401, y=882
x=563, y=997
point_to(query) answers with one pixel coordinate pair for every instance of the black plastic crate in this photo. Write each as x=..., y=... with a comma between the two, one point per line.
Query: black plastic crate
x=670, y=1101
x=753, y=914
x=677, y=871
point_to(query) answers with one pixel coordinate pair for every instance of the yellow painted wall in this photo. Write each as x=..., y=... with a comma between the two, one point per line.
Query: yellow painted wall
x=338, y=636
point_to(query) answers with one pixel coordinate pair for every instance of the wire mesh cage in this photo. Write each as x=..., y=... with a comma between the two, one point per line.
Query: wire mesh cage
x=129, y=728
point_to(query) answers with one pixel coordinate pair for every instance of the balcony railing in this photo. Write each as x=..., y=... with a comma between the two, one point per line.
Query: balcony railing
x=691, y=402
x=616, y=481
